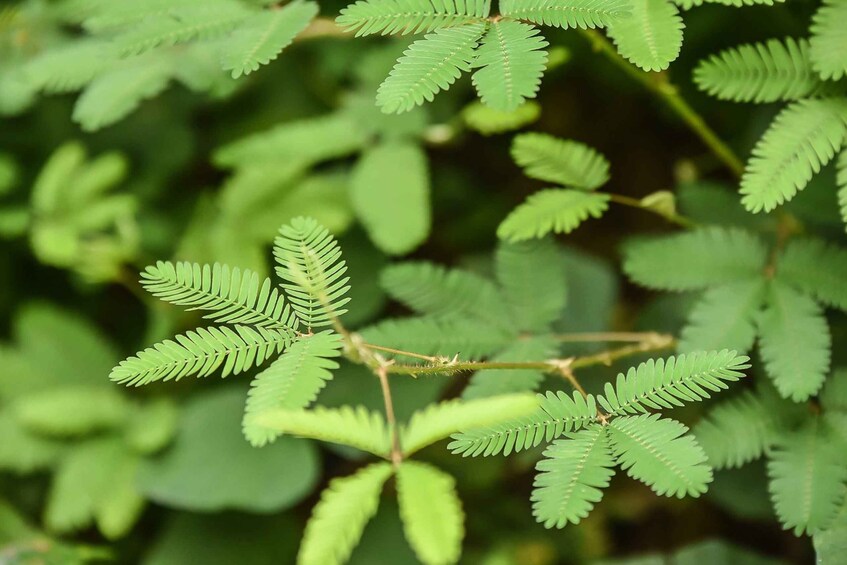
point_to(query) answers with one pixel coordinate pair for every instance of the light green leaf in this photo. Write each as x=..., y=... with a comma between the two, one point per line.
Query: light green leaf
x=551, y=210
x=651, y=37
x=724, y=318
x=389, y=190
x=829, y=39
x=431, y=512
x=562, y=161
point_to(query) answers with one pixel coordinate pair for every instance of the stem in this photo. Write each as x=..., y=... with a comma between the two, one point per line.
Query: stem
x=653, y=342
x=396, y=452
x=672, y=217
x=429, y=358
x=669, y=94
x=590, y=337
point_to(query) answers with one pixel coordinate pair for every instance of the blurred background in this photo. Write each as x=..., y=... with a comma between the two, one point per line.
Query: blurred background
x=158, y=165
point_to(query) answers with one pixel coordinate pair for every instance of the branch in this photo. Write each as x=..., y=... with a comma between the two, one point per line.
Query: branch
x=669, y=94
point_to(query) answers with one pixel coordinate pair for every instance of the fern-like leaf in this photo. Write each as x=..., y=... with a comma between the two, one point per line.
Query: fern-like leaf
x=439, y=421
x=73, y=410
x=667, y=383
x=429, y=66
x=817, y=268
x=366, y=17
x=180, y=24
x=532, y=276
x=71, y=67
x=760, y=72
x=795, y=342
x=656, y=452
x=260, y=39
x=309, y=260
x=558, y=413
x=433, y=290
x=724, y=318
x=511, y=60
x=290, y=383
x=201, y=353
x=585, y=14
x=808, y=478
x=829, y=39
x=355, y=427
x=562, y=161
x=556, y=210
x=571, y=477
x=695, y=260
x=431, y=513
x=119, y=91
x=736, y=431
x=231, y=296
x=651, y=37
x=340, y=517
x=804, y=137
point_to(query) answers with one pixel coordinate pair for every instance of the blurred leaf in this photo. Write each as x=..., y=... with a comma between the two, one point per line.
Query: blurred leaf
x=211, y=467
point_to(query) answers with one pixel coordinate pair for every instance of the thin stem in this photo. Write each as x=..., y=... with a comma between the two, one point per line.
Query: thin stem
x=670, y=215
x=669, y=95
x=429, y=358
x=396, y=452
x=607, y=337
x=654, y=342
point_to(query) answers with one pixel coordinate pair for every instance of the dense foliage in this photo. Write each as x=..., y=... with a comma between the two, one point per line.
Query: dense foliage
x=409, y=281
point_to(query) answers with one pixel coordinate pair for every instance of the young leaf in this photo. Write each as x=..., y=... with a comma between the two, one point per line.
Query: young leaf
x=389, y=191
x=829, y=41
x=532, y=276
x=491, y=382
x=431, y=513
x=666, y=383
x=70, y=67
x=651, y=37
x=511, y=60
x=571, y=477
x=309, y=260
x=290, y=383
x=817, y=268
x=557, y=414
x=355, y=427
x=724, y=318
x=231, y=296
x=695, y=260
x=260, y=39
x=807, y=479
x=804, y=137
x=340, y=517
x=760, y=72
x=201, y=353
x=429, y=66
x=366, y=17
x=656, y=452
x=795, y=342
x=438, y=421
x=557, y=210
x=585, y=14
x=562, y=161
x=736, y=431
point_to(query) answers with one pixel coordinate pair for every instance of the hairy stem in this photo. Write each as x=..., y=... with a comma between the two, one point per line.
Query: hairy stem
x=396, y=452
x=659, y=85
